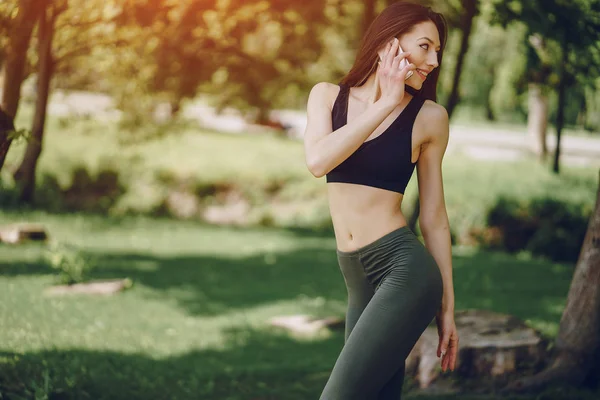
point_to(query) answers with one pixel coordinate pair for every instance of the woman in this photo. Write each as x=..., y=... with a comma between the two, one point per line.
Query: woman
x=366, y=135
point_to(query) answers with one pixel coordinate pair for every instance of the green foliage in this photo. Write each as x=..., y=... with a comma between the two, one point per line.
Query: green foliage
x=494, y=68
x=69, y=262
x=241, y=53
x=543, y=226
x=8, y=10
x=574, y=26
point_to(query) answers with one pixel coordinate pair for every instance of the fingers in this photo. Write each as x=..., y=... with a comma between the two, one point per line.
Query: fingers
x=443, y=345
x=397, y=61
x=449, y=361
x=453, y=353
x=409, y=70
x=449, y=358
x=394, y=60
x=389, y=59
x=383, y=53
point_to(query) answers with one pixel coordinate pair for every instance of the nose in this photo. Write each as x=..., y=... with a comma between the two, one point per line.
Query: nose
x=433, y=60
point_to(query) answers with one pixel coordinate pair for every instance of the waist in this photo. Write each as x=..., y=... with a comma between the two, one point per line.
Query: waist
x=400, y=233
x=353, y=233
x=361, y=214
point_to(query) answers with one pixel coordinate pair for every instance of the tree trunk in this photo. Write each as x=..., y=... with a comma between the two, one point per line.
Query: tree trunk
x=579, y=332
x=537, y=120
x=578, y=342
x=469, y=12
x=489, y=112
x=560, y=113
x=368, y=15
x=25, y=174
x=14, y=67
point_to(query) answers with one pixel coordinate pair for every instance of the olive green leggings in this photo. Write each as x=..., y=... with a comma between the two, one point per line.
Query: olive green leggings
x=394, y=290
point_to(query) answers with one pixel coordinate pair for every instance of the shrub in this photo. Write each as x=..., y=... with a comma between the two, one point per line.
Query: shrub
x=543, y=226
x=72, y=266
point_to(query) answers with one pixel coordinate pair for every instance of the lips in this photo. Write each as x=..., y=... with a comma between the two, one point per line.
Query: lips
x=422, y=74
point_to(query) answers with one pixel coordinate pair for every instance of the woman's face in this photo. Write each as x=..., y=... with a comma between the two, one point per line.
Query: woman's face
x=423, y=42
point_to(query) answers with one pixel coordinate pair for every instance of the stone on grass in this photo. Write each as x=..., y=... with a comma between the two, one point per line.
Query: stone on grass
x=19, y=233
x=492, y=347
x=96, y=288
x=306, y=324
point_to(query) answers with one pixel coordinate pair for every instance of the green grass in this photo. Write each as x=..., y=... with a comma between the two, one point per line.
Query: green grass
x=194, y=325
x=270, y=173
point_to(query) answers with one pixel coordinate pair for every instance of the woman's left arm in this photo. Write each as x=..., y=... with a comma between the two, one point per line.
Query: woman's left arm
x=433, y=221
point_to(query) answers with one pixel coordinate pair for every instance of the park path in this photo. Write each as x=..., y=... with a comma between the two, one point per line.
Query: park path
x=478, y=140
x=481, y=141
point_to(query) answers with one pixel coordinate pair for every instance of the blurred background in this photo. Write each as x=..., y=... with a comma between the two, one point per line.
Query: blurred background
x=156, y=145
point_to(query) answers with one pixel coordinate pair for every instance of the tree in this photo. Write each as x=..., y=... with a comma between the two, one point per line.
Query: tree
x=578, y=342
x=13, y=71
x=368, y=15
x=575, y=27
x=242, y=53
x=25, y=174
x=470, y=8
x=163, y=50
x=539, y=72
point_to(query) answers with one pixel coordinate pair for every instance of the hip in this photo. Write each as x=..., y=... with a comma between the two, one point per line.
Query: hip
x=398, y=251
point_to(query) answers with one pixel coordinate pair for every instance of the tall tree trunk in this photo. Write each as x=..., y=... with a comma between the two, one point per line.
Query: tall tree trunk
x=578, y=342
x=489, y=111
x=368, y=15
x=469, y=12
x=578, y=338
x=537, y=120
x=14, y=67
x=560, y=113
x=25, y=174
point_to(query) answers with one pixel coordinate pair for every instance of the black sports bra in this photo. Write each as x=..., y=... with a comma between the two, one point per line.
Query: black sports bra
x=383, y=162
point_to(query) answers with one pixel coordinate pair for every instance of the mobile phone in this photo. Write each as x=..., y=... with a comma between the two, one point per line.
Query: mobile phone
x=404, y=63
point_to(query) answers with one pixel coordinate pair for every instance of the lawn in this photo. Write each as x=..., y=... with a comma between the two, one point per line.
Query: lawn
x=194, y=324
x=268, y=172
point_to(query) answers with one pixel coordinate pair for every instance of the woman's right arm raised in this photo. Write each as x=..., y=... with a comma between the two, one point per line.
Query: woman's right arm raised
x=324, y=149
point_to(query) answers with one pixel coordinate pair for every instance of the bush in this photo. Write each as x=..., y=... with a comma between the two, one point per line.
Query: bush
x=72, y=266
x=542, y=226
x=9, y=197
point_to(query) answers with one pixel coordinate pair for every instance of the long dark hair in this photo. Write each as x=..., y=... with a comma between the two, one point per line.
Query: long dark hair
x=395, y=20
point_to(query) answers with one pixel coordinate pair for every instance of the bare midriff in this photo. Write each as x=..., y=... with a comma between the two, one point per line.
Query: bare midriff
x=362, y=214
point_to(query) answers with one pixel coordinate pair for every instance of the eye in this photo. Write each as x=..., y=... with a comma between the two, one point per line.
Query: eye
x=426, y=46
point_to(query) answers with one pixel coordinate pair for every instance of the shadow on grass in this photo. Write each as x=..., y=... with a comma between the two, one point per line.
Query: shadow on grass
x=209, y=285
x=526, y=288
x=252, y=365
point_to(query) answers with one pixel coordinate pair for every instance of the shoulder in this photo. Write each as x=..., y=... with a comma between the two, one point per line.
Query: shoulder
x=434, y=120
x=323, y=94
x=435, y=114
